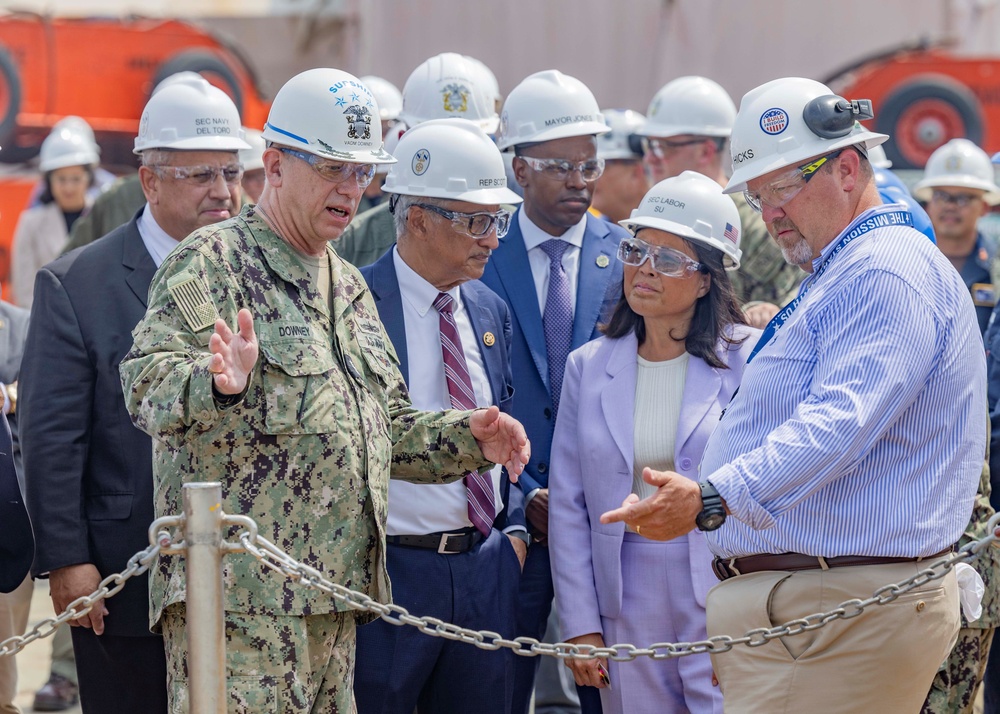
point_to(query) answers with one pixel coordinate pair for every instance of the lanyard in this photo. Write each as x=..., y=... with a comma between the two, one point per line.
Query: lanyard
x=868, y=221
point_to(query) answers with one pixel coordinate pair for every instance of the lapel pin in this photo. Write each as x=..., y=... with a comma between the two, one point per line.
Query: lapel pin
x=602, y=261
x=489, y=339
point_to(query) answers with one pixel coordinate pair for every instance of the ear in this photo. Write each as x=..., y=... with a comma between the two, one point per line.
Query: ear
x=272, y=166
x=416, y=222
x=150, y=182
x=849, y=169
x=521, y=171
x=706, y=284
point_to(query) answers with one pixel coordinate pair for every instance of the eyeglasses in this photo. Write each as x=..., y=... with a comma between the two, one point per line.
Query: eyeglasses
x=959, y=199
x=335, y=171
x=560, y=169
x=659, y=147
x=475, y=225
x=666, y=261
x=202, y=175
x=787, y=186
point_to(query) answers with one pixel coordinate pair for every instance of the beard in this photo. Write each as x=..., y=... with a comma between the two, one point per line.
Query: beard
x=794, y=250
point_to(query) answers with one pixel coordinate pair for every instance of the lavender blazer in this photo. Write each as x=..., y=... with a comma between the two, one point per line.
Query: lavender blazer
x=592, y=454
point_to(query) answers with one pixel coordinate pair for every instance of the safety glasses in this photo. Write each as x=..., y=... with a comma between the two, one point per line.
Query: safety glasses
x=660, y=147
x=202, y=175
x=335, y=171
x=787, y=186
x=560, y=169
x=666, y=261
x=475, y=225
x=959, y=199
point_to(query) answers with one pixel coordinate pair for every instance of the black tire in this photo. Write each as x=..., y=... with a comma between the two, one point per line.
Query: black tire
x=950, y=95
x=206, y=63
x=8, y=115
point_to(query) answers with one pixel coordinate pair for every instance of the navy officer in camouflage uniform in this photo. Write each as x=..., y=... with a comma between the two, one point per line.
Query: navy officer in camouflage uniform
x=299, y=413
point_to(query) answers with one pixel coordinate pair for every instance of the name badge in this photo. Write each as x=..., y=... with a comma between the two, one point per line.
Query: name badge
x=984, y=294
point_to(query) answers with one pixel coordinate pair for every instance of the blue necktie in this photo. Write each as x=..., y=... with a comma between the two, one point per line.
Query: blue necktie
x=558, y=317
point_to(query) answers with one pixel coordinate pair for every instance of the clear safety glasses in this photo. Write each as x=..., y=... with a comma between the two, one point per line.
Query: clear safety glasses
x=475, y=225
x=787, y=186
x=335, y=171
x=666, y=261
x=660, y=147
x=202, y=175
x=959, y=199
x=560, y=169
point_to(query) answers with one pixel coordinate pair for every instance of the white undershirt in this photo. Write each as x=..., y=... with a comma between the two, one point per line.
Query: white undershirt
x=539, y=261
x=158, y=243
x=418, y=509
x=659, y=390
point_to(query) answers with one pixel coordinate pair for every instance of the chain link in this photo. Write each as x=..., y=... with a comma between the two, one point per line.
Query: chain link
x=274, y=558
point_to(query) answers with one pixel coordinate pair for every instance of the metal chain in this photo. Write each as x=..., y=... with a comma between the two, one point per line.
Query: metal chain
x=108, y=587
x=274, y=558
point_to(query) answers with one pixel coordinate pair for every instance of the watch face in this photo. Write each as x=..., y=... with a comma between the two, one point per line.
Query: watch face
x=710, y=521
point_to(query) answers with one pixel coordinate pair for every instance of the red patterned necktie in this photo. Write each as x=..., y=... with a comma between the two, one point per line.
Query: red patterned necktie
x=479, y=488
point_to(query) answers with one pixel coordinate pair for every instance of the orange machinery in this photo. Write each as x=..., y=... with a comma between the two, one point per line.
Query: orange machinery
x=103, y=69
x=15, y=190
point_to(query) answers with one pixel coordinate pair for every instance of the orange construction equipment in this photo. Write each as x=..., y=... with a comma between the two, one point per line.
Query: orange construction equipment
x=15, y=190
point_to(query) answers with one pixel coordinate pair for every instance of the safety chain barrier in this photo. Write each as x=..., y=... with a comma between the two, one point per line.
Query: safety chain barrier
x=108, y=587
x=275, y=559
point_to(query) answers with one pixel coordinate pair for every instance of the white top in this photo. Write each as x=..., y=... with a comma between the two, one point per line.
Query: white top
x=659, y=390
x=418, y=509
x=539, y=259
x=158, y=243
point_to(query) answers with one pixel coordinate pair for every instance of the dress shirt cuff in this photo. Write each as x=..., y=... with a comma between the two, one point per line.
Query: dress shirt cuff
x=519, y=532
x=6, y=401
x=739, y=501
x=531, y=494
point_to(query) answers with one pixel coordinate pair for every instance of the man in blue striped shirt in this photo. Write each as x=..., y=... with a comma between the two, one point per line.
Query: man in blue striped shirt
x=853, y=449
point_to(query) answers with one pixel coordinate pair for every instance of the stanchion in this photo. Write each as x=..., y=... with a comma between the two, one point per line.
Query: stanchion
x=205, y=634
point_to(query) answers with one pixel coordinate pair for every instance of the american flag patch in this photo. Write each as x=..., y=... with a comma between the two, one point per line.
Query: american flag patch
x=192, y=297
x=731, y=233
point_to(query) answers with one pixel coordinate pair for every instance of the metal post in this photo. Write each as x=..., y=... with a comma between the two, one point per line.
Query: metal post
x=205, y=633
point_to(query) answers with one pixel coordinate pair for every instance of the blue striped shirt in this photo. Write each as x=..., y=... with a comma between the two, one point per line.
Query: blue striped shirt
x=860, y=429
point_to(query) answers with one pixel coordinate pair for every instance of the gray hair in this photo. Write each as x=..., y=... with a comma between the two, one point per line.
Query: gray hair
x=401, y=208
x=155, y=157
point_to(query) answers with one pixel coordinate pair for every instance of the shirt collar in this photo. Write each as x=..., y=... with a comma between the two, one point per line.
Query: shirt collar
x=416, y=290
x=158, y=242
x=535, y=236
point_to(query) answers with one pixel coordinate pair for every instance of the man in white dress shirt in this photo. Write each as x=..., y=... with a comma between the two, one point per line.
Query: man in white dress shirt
x=454, y=551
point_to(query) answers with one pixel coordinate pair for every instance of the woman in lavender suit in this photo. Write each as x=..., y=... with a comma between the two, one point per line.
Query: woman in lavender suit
x=648, y=393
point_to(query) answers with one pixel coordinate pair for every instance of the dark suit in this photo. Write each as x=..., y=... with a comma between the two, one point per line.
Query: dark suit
x=399, y=669
x=16, y=545
x=598, y=288
x=88, y=469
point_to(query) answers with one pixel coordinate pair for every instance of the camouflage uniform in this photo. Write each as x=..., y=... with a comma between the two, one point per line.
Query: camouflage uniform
x=764, y=275
x=368, y=237
x=306, y=449
x=954, y=688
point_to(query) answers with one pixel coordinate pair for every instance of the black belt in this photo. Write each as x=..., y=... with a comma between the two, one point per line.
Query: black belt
x=449, y=543
x=726, y=568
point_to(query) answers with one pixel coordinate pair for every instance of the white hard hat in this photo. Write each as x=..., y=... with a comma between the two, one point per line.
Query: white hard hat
x=77, y=125
x=618, y=143
x=878, y=159
x=448, y=85
x=690, y=105
x=184, y=75
x=692, y=206
x=488, y=79
x=253, y=158
x=189, y=114
x=392, y=138
x=65, y=147
x=962, y=164
x=387, y=96
x=786, y=121
x=450, y=158
x=549, y=105
x=329, y=113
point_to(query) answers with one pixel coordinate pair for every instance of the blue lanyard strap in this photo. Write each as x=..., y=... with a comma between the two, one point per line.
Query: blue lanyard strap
x=871, y=219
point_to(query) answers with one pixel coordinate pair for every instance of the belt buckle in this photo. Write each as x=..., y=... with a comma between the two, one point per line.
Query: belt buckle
x=443, y=545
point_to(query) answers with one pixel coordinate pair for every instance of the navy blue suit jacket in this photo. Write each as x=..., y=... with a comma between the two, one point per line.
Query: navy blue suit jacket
x=508, y=274
x=16, y=545
x=488, y=313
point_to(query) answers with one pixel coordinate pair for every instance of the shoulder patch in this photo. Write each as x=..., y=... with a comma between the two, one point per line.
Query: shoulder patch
x=192, y=297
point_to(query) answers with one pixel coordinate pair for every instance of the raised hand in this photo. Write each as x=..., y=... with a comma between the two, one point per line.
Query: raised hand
x=233, y=353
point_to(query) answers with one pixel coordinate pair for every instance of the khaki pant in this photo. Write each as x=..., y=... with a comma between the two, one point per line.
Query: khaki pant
x=273, y=664
x=14, y=608
x=881, y=661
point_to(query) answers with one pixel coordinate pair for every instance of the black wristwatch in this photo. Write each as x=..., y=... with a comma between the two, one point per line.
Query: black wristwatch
x=713, y=513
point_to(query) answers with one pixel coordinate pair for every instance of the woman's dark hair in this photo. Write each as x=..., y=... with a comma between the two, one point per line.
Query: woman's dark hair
x=47, y=196
x=715, y=312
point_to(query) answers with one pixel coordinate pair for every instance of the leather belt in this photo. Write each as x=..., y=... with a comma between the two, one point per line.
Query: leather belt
x=450, y=543
x=726, y=568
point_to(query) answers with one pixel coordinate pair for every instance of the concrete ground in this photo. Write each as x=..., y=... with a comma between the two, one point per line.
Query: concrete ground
x=33, y=660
